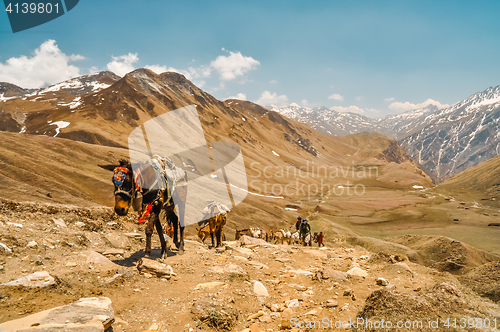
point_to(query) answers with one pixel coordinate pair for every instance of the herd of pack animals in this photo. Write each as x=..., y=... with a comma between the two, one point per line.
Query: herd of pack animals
x=131, y=191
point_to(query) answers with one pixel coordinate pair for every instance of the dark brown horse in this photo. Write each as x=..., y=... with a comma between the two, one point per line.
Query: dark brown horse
x=130, y=190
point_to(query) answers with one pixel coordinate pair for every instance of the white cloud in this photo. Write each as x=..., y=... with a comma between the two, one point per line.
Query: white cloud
x=273, y=81
x=304, y=102
x=240, y=96
x=47, y=65
x=389, y=99
x=234, y=65
x=350, y=109
x=268, y=98
x=158, y=69
x=358, y=98
x=123, y=64
x=407, y=106
x=336, y=96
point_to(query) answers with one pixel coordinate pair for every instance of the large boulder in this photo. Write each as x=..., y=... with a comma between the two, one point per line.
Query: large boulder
x=35, y=280
x=93, y=314
x=146, y=265
x=248, y=241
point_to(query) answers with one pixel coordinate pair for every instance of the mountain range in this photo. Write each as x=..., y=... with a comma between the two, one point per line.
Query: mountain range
x=444, y=142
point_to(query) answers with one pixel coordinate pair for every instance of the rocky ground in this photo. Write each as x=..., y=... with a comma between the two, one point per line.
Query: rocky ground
x=248, y=285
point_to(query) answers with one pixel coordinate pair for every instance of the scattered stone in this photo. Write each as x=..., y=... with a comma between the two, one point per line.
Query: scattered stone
x=79, y=224
x=59, y=222
x=286, y=324
x=4, y=248
x=32, y=244
x=348, y=292
x=209, y=285
x=134, y=235
x=114, y=252
x=14, y=224
x=35, y=280
x=247, y=240
x=259, y=289
x=266, y=318
x=331, y=303
x=357, y=272
x=87, y=315
x=256, y=315
x=71, y=264
x=99, y=260
x=292, y=303
x=313, y=312
x=287, y=313
x=254, y=328
x=334, y=275
x=417, y=288
x=118, y=240
x=145, y=265
x=220, y=249
x=382, y=282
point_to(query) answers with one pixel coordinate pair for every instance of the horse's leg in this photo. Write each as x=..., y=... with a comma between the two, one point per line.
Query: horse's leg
x=159, y=229
x=181, y=243
x=218, y=235
x=149, y=233
x=211, y=226
x=175, y=223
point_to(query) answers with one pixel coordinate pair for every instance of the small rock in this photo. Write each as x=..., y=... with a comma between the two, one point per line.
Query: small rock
x=147, y=275
x=265, y=318
x=114, y=252
x=417, y=288
x=331, y=303
x=209, y=285
x=32, y=244
x=348, y=292
x=287, y=313
x=59, y=222
x=256, y=315
x=357, y=272
x=4, y=248
x=118, y=240
x=254, y=328
x=285, y=324
x=153, y=267
x=71, y=264
x=292, y=303
x=313, y=312
x=382, y=282
x=259, y=289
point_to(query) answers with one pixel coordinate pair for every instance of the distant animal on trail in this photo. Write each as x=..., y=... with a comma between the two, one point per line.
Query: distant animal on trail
x=133, y=189
x=281, y=236
x=204, y=233
x=252, y=232
x=215, y=215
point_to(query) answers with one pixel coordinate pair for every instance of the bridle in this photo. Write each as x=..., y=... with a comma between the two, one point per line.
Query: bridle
x=119, y=175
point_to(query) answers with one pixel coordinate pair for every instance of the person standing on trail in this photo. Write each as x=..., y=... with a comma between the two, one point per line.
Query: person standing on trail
x=320, y=239
x=305, y=230
x=297, y=224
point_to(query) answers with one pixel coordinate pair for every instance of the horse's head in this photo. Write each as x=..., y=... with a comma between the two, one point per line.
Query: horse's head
x=124, y=182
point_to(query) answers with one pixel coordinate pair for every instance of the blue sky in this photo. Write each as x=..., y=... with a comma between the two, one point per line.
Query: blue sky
x=371, y=57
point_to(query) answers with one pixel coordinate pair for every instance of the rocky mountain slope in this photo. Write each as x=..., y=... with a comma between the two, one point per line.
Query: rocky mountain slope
x=444, y=142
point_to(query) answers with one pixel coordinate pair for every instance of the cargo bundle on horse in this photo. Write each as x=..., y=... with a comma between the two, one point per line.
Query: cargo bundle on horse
x=214, y=216
x=204, y=233
x=154, y=186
